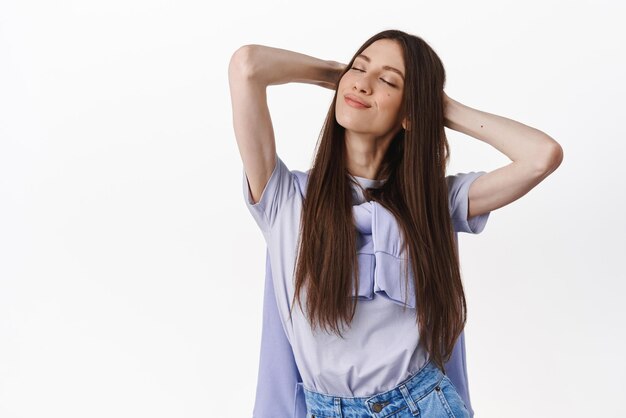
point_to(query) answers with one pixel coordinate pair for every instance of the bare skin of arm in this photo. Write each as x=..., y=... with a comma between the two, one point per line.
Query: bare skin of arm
x=533, y=153
x=251, y=69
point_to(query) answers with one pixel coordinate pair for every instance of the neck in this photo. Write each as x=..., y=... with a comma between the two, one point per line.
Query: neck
x=365, y=153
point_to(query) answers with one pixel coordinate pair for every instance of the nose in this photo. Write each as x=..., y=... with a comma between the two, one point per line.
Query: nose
x=363, y=84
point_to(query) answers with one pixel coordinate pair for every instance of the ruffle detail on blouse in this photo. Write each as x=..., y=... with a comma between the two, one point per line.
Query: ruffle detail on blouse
x=381, y=263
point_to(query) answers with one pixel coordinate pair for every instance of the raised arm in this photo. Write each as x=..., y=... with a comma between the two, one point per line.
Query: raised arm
x=534, y=155
x=251, y=69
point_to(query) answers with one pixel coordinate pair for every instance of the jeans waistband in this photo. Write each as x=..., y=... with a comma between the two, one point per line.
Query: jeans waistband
x=381, y=404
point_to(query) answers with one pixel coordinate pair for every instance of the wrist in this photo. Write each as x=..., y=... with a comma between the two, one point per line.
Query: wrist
x=335, y=69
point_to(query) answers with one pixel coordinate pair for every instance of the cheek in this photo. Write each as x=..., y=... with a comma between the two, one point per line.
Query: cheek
x=344, y=81
x=391, y=102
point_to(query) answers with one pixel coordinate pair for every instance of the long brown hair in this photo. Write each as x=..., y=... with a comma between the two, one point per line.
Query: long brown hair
x=415, y=192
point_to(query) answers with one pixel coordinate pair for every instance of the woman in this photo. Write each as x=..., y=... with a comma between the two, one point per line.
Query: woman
x=364, y=241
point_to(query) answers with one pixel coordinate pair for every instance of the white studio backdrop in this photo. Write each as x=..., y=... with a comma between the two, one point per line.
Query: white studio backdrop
x=132, y=274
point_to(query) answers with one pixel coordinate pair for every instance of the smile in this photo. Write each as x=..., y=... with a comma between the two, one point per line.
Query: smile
x=355, y=104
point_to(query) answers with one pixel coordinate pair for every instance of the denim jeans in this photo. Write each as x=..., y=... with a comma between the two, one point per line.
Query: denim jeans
x=427, y=394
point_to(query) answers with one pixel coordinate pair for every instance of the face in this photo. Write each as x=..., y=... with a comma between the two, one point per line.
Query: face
x=373, y=81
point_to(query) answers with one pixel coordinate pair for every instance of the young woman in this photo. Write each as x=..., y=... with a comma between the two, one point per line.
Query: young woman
x=362, y=246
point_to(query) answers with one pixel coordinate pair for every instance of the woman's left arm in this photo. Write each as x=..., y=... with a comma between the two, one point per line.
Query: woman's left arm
x=534, y=155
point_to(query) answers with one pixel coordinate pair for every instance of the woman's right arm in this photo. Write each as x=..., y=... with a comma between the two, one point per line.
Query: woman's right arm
x=251, y=69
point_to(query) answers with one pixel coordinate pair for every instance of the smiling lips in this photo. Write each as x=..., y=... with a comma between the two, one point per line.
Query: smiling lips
x=353, y=101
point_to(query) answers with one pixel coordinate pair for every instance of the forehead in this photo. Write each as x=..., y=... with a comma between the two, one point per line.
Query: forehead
x=386, y=52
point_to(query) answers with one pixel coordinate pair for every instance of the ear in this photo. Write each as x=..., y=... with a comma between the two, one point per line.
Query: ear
x=406, y=124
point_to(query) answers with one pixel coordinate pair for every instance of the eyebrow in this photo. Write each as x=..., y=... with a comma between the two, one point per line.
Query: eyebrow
x=385, y=67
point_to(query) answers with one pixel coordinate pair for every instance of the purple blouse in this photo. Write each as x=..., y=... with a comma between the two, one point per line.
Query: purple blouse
x=389, y=351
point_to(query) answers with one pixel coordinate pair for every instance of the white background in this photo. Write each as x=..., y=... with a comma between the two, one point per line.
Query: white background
x=131, y=273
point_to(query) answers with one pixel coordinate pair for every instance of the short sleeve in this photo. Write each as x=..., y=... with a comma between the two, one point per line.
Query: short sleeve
x=280, y=187
x=458, y=200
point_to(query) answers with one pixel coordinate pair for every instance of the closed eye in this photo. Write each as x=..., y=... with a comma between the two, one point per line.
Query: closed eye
x=385, y=81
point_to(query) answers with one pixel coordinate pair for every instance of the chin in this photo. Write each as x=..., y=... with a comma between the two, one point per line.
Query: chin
x=349, y=126
x=348, y=122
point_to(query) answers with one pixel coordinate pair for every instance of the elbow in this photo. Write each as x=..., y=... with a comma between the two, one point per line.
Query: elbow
x=242, y=62
x=551, y=157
